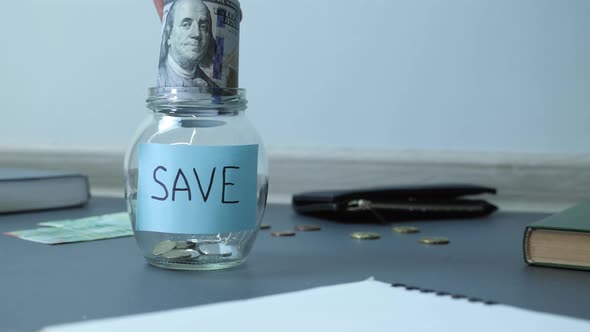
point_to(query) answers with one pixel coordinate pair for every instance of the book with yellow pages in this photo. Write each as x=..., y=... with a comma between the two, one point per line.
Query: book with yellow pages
x=561, y=240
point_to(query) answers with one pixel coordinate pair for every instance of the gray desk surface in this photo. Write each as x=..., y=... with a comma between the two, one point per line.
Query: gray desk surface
x=44, y=285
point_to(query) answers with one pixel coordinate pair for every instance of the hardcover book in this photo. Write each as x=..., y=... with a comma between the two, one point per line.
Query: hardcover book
x=561, y=240
x=28, y=190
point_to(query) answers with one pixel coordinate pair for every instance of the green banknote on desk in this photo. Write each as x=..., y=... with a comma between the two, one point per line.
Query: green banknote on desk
x=93, y=228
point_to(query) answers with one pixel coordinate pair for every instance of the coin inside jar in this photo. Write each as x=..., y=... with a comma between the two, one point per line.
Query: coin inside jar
x=215, y=249
x=163, y=247
x=365, y=236
x=307, y=228
x=185, y=245
x=177, y=253
x=434, y=240
x=194, y=253
x=197, y=242
x=405, y=229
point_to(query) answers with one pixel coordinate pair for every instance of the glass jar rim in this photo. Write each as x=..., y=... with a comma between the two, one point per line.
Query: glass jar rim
x=185, y=98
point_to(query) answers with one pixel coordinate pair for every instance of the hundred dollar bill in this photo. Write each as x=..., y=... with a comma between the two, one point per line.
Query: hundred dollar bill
x=101, y=227
x=200, y=44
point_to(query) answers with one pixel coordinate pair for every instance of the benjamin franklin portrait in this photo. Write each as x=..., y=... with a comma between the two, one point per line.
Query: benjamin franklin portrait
x=187, y=46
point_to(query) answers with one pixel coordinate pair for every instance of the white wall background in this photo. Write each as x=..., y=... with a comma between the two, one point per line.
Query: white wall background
x=459, y=75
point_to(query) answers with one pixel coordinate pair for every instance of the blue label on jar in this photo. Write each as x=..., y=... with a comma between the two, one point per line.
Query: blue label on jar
x=187, y=189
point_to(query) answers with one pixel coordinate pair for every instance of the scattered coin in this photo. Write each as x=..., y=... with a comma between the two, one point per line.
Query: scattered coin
x=307, y=228
x=264, y=226
x=285, y=233
x=434, y=240
x=215, y=249
x=185, y=245
x=365, y=236
x=405, y=229
x=163, y=247
x=177, y=253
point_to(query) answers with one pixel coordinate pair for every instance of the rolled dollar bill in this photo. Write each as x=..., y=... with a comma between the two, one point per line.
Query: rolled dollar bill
x=200, y=44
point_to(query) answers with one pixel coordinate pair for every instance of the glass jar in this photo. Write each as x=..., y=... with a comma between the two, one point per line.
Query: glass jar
x=196, y=179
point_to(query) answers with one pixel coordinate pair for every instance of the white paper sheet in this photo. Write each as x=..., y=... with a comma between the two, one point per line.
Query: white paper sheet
x=361, y=306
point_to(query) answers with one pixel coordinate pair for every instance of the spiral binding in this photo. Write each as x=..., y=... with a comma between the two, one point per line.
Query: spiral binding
x=438, y=293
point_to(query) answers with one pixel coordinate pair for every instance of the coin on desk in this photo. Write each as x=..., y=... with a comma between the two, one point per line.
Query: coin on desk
x=283, y=234
x=434, y=240
x=264, y=226
x=307, y=228
x=365, y=236
x=163, y=247
x=177, y=253
x=405, y=229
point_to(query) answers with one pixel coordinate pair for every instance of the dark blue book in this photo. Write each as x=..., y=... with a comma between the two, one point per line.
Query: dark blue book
x=28, y=190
